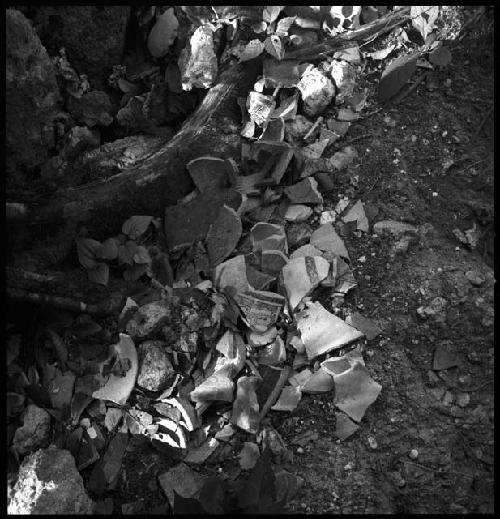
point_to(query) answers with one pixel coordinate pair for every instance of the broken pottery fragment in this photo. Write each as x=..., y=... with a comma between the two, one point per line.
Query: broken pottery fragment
x=268, y=236
x=337, y=365
x=261, y=308
x=189, y=418
x=218, y=386
x=350, y=54
x=258, y=280
x=281, y=165
x=289, y=399
x=155, y=367
x=313, y=166
x=340, y=276
x=223, y=235
x=300, y=378
x=117, y=389
x=306, y=250
x=343, y=158
x=287, y=110
x=182, y=479
x=246, y=407
x=257, y=339
x=316, y=90
x=232, y=273
x=198, y=61
x=232, y=347
x=344, y=427
x=272, y=261
x=273, y=354
x=274, y=130
x=260, y=107
x=320, y=382
x=302, y=275
x=322, y=331
x=210, y=173
x=304, y=192
x=355, y=391
x=298, y=213
x=325, y=239
x=357, y=214
x=298, y=234
x=327, y=217
x=444, y=357
x=284, y=73
x=338, y=127
x=296, y=129
x=394, y=227
x=364, y=325
x=249, y=455
x=200, y=454
x=226, y=433
x=347, y=114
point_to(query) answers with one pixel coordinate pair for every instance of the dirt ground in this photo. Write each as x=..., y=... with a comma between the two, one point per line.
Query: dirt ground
x=426, y=445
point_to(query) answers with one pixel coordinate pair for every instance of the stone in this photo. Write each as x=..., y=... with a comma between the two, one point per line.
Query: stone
x=393, y=227
x=326, y=239
x=149, y=319
x=260, y=107
x=34, y=433
x=322, y=331
x=298, y=234
x=298, y=213
x=155, y=367
x=188, y=222
x=223, y=235
x=317, y=91
x=32, y=98
x=304, y=192
x=93, y=37
x=327, y=217
x=338, y=127
x=93, y=108
x=302, y=275
x=324, y=180
x=296, y=130
x=357, y=214
x=197, y=61
x=48, y=483
x=268, y=236
x=343, y=75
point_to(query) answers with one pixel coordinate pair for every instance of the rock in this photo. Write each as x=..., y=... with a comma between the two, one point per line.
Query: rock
x=320, y=382
x=322, y=331
x=475, y=278
x=302, y=275
x=296, y=130
x=256, y=339
x=394, y=227
x=198, y=62
x=327, y=217
x=327, y=240
x=298, y=213
x=315, y=150
x=163, y=33
x=272, y=354
x=268, y=236
x=188, y=222
x=258, y=280
x=149, y=319
x=260, y=107
x=93, y=36
x=357, y=214
x=32, y=98
x=155, y=367
x=325, y=181
x=343, y=158
x=347, y=115
x=223, y=235
x=48, y=483
x=344, y=427
x=298, y=234
x=304, y=192
x=80, y=139
x=35, y=431
x=317, y=91
x=92, y=108
x=343, y=75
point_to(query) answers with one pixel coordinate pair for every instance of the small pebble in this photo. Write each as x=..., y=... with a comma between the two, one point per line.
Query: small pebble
x=372, y=442
x=413, y=454
x=300, y=450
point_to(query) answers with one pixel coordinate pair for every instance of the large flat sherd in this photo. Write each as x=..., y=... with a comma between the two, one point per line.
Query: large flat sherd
x=322, y=331
x=261, y=308
x=326, y=239
x=210, y=173
x=223, y=235
x=304, y=192
x=232, y=273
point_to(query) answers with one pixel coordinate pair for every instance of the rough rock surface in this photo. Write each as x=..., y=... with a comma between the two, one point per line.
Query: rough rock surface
x=317, y=91
x=93, y=36
x=155, y=367
x=34, y=434
x=49, y=483
x=32, y=97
